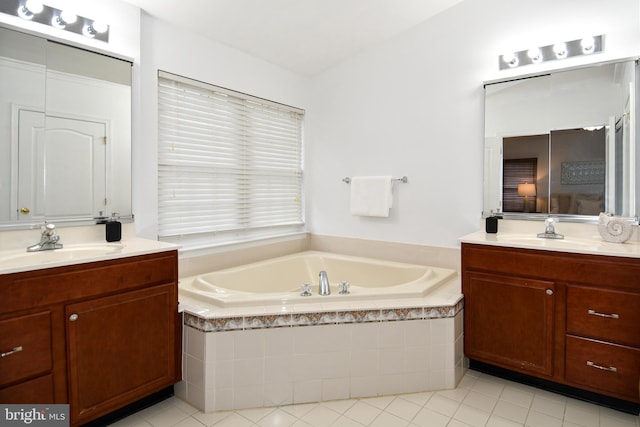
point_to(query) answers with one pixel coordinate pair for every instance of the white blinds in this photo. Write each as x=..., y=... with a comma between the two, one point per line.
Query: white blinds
x=228, y=164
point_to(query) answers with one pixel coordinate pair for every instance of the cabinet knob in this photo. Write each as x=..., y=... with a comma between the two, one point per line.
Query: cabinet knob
x=25, y=210
x=549, y=291
x=73, y=317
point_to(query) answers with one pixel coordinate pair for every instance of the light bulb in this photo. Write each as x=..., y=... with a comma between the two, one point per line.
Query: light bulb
x=34, y=6
x=100, y=27
x=560, y=49
x=511, y=59
x=535, y=54
x=30, y=8
x=588, y=44
x=93, y=28
x=68, y=17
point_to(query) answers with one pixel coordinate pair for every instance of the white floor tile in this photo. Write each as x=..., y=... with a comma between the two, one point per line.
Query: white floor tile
x=479, y=400
x=552, y=407
x=321, y=416
x=403, y=408
x=497, y=421
x=386, y=419
x=418, y=398
x=363, y=413
x=255, y=414
x=346, y=422
x=538, y=419
x=442, y=405
x=511, y=412
x=517, y=395
x=471, y=416
x=379, y=402
x=429, y=418
x=277, y=418
x=340, y=406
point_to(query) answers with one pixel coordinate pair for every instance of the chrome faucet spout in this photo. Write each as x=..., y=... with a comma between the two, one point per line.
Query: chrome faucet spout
x=323, y=285
x=549, y=230
x=48, y=240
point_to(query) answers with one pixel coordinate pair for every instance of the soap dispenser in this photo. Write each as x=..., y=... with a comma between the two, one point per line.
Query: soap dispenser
x=113, y=228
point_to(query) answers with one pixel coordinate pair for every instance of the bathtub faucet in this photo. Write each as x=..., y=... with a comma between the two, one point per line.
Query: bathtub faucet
x=324, y=288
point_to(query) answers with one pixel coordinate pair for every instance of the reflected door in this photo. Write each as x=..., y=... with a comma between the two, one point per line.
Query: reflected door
x=62, y=167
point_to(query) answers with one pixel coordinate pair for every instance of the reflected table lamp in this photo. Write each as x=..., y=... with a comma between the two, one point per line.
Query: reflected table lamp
x=526, y=190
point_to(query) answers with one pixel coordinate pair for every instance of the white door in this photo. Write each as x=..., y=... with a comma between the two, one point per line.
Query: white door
x=63, y=173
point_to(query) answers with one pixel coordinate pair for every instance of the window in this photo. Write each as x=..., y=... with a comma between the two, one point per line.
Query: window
x=515, y=172
x=229, y=164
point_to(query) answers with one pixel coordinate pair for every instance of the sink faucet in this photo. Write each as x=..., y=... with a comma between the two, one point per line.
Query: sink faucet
x=549, y=230
x=324, y=288
x=48, y=239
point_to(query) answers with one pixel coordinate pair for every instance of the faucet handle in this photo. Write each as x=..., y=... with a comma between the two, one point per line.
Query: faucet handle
x=48, y=229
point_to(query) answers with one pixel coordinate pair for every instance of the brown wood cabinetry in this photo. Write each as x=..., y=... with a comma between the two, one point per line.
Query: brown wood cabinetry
x=98, y=336
x=569, y=319
x=512, y=321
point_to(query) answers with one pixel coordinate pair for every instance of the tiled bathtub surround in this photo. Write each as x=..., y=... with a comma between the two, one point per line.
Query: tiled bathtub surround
x=238, y=323
x=246, y=360
x=263, y=356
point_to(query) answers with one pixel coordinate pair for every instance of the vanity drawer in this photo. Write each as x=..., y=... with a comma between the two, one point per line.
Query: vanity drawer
x=604, y=314
x=603, y=367
x=38, y=390
x=25, y=344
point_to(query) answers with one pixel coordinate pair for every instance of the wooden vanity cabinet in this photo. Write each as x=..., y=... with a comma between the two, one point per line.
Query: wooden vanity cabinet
x=98, y=336
x=569, y=319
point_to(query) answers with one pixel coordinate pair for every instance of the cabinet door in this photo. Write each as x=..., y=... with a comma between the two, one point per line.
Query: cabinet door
x=120, y=348
x=509, y=322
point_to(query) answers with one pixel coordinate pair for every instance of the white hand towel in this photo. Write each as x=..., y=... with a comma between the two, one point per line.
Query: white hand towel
x=371, y=195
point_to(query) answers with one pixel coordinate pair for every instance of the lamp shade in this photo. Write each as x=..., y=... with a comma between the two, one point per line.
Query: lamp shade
x=526, y=190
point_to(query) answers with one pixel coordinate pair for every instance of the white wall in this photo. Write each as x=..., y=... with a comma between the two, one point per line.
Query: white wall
x=414, y=106
x=181, y=52
x=411, y=106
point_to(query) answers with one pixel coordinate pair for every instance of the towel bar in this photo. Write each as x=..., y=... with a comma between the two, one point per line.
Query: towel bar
x=404, y=179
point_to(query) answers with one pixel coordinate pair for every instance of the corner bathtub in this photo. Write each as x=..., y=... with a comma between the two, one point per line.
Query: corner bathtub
x=251, y=340
x=278, y=281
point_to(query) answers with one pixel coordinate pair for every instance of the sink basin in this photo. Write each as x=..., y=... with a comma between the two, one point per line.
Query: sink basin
x=11, y=259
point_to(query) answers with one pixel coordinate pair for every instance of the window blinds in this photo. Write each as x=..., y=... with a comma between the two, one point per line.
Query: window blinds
x=514, y=172
x=229, y=165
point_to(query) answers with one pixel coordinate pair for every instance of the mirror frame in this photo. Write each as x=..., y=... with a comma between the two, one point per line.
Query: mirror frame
x=489, y=161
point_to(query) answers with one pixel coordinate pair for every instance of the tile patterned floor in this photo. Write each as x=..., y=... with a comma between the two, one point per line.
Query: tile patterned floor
x=479, y=400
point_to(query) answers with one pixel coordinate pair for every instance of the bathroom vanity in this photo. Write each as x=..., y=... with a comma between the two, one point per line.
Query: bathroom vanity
x=554, y=316
x=98, y=335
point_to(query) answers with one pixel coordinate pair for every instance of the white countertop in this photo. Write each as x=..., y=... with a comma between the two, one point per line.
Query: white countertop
x=80, y=245
x=579, y=238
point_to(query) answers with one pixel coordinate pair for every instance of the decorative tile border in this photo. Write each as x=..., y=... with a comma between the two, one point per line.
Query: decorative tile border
x=329, y=317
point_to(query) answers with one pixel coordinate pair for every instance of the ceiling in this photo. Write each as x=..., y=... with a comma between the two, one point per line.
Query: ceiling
x=304, y=36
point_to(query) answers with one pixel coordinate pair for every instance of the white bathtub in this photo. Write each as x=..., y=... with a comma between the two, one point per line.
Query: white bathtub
x=277, y=281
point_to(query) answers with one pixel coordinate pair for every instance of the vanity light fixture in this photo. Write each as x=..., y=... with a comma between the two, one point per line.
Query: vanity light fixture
x=35, y=11
x=562, y=50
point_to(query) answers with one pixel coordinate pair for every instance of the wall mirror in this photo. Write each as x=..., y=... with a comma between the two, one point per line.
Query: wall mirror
x=65, y=133
x=563, y=144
